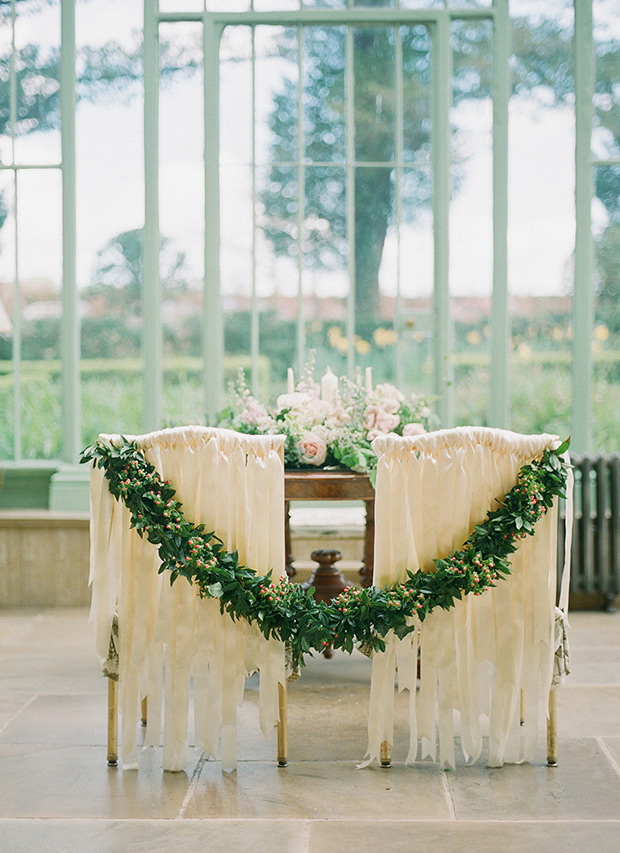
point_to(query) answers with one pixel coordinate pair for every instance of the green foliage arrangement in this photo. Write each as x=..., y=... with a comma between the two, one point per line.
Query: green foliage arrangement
x=286, y=611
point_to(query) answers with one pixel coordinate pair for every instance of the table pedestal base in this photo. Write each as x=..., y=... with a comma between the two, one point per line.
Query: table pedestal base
x=327, y=580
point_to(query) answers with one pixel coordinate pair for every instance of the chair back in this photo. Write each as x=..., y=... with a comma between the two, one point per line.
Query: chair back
x=234, y=485
x=477, y=657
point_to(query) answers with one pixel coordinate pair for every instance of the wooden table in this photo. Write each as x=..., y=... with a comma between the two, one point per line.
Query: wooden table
x=322, y=485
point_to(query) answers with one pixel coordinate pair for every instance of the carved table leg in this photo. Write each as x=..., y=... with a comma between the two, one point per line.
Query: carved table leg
x=367, y=569
x=327, y=580
x=291, y=571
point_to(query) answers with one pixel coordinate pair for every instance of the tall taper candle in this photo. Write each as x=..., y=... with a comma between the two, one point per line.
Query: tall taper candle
x=290, y=381
x=329, y=387
x=368, y=380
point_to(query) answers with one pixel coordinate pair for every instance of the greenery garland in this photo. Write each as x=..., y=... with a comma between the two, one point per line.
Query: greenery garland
x=284, y=609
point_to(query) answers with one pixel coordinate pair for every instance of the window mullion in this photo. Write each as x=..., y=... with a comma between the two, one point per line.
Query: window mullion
x=254, y=324
x=398, y=312
x=213, y=337
x=301, y=202
x=583, y=308
x=16, y=319
x=499, y=403
x=151, y=284
x=70, y=340
x=350, y=194
x=17, y=332
x=442, y=81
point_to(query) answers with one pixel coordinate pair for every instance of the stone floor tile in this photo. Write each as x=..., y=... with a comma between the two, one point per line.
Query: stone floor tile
x=60, y=627
x=405, y=835
x=583, y=786
x=593, y=628
x=318, y=789
x=153, y=836
x=70, y=720
x=41, y=669
x=14, y=622
x=613, y=745
x=11, y=706
x=75, y=782
x=588, y=711
x=599, y=665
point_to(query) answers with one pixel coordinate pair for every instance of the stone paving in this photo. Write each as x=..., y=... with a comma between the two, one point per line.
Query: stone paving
x=57, y=793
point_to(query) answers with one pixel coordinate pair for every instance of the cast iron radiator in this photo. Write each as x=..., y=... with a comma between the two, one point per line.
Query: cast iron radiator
x=595, y=552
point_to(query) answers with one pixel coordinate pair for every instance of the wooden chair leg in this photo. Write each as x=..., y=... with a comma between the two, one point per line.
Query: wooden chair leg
x=552, y=744
x=112, y=722
x=144, y=705
x=282, y=726
x=386, y=754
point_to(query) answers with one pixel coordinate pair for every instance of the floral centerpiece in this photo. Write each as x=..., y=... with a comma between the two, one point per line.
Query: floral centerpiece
x=328, y=424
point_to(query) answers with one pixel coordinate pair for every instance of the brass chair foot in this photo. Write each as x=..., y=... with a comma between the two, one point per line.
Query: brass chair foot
x=112, y=722
x=385, y=755
x=282, y=726
x=552, y=743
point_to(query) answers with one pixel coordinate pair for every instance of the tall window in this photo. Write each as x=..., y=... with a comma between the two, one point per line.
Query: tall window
x=390, y=183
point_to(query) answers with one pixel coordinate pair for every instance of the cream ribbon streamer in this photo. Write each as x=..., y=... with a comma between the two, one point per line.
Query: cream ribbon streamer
x=234, y=484
x=475, y=658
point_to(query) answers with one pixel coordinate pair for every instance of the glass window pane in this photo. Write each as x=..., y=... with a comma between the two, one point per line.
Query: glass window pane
x=235, y=119
x=333, y=4
x=276, y=5
x=236, y=266
x=471, y=218
x=40, y=272
x=606, y=343
x=606, y=131
x=276, y=94
x=228, y=5
x=416, y=81
x=110, y=214
x=6, y=37
x=323, y=95
x=468, y=4
x=7, y=311
x=388, y=4
x=181, y=219
x=181, y=5
x=541, y=229
x=422, y=4
x=412, y=317
x=374, y=95
x=37, y=43
x=325, y=273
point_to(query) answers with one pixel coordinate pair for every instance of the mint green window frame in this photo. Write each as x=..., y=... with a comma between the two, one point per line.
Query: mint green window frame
x=71, y=442
x=439, y=21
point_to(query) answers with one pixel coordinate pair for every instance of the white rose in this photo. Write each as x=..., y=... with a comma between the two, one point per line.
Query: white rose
x=413, y=429
x=313, y=449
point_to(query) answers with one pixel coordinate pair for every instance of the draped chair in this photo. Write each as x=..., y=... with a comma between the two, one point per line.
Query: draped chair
x=491, y=654
x=167, y=635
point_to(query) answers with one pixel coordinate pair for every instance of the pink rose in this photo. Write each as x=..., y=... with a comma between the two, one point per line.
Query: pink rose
x=313, y=449
x=377, y=421
x=413, y=429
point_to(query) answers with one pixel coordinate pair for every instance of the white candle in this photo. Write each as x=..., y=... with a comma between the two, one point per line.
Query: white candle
x=290, y=381
x=368, y=380
x=329, y=387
